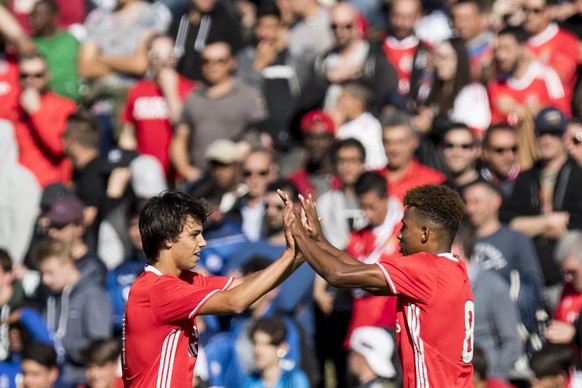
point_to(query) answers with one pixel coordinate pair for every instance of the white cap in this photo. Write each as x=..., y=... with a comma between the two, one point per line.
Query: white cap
x=147, y=176
x=376, y=346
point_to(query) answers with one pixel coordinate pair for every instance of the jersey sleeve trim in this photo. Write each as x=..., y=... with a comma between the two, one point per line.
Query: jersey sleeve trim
x=199, y=305
x=387, y=277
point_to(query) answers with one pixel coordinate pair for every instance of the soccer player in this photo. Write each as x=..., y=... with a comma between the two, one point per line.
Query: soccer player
x=435, y=307
x=160, y=337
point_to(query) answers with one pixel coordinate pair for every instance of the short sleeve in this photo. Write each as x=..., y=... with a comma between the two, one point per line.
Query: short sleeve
x=174, y=299
x=413, y=276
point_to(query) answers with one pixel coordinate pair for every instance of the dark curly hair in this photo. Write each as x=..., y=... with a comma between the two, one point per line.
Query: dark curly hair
x=438, y=205
x=163, y=218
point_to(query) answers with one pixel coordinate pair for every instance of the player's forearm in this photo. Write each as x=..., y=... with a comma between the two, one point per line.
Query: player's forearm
x=252, y=287
x=337, y=253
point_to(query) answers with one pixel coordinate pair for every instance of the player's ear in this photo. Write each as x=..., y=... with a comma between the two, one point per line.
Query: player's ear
x=425, y=234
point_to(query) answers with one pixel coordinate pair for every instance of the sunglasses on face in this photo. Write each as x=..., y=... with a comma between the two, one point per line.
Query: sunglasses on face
x=535, y=11
x=503, y=150
x=336, y=26
x=249, y=173
x=466, y=146
x=567, y=272
x=219, y=61
x=32, y=75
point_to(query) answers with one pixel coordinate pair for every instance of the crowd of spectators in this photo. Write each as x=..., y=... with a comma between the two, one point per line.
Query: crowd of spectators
x=106, y=103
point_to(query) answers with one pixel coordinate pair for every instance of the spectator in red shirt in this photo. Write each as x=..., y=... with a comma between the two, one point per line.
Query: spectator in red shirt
x=41, y=123
x=521, y=83
x=154, y=104
x=316, y=176
x=550, y=44
x=403, y=171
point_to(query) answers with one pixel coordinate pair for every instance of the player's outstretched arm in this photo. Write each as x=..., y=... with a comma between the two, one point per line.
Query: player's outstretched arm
x=327, y=264
x=245, y=291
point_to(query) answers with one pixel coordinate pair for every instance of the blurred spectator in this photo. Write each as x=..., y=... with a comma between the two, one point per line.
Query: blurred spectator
x=71, y=13
x=499, y=248
x=547, y=199
x=521, y=84
x=496, y=326
x=132, y=177
x=310, y=35
x=356, y=122
x=316, y=177
x=550, y=44
x=499, y=157
x=60, y=48
x=66, y=224
x=403, y=172
x=111, y=65
x=41, y=122
x=39, y=366
x=154, y=104
x=553, y=366
x=401, y=43
x=121, y=278
x=77, y=310
x=351, y=58
x=573, y=139
x=339, y=207
x=90, y=170
x=569, y=257
x=470, y=20
x=206, y=22
x=101, y=361
x=461, y=151
x=269, y=66
x=223, y=159
x=19, y=197
x=224, y=238
x=295, y=296
x=11, y=32
x=222, y=108
x=371, y=352
x=376, y=242
x=269, y=347
x=342, y=215
x=481, y=378
x=574, y=25
x=453, y=97
x=258, y=171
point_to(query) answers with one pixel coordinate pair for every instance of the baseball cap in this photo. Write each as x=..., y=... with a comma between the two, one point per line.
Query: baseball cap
x=147, y=176
x=316, y=120
x=51, y=194
x=65, y=211
x=376, y=346
x=551, y=120
x=223, y=151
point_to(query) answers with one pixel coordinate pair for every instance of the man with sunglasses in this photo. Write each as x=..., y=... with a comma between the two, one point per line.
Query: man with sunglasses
x=220, y=108
x=499, y=157
x=41, y=122
x=547, y=199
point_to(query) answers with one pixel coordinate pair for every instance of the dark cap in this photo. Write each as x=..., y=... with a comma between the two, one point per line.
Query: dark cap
x=51, y=194
x=317, y=120
x=66, y=210
x=550, y=120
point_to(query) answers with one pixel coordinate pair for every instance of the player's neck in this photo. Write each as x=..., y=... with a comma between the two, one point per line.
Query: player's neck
x=166, y=266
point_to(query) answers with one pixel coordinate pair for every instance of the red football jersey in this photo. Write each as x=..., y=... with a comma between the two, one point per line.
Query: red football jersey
x=435, y=320
x=538, y=88
x=558, y=49
x=401, y=54
x=160, y=337
x=147, y=110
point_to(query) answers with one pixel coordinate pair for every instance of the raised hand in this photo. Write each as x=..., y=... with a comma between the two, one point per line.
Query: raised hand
x=309, y=218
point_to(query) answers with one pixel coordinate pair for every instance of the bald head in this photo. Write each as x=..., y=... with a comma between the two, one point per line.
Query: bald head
x=404, y=14
x=343, y=23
